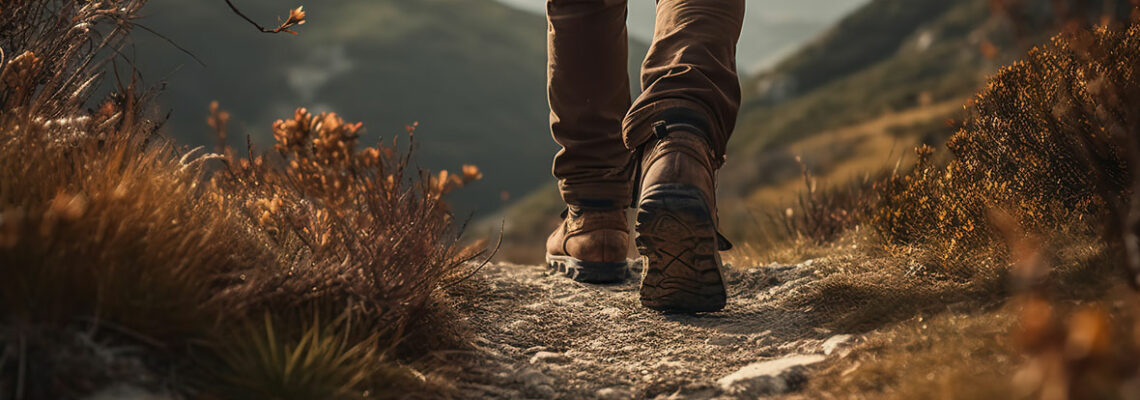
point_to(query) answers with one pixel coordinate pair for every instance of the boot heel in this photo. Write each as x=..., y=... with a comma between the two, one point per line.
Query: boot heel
x=678, y=239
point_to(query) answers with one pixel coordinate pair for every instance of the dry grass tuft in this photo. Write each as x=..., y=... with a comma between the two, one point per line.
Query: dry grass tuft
x=822, y=215
x=123, y=257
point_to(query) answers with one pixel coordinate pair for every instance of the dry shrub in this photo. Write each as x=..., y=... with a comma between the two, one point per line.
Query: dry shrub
x=1088, y=97
x=820, y=214
x=122, y=258
x=1045, y=163
x=1047, y=146
x=1044, y=143
x=346, y=216
x=351, y=237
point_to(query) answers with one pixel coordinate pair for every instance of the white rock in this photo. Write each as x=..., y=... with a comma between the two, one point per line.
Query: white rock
x=612, y=394
x=768, y=377
x=549, y=357
x=834, y=343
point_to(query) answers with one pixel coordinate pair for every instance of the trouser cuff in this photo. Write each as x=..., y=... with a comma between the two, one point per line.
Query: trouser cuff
x=597, y=195
x=638, y=124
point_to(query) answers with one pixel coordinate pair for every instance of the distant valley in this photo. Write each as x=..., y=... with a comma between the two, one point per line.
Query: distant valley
x=772, y=28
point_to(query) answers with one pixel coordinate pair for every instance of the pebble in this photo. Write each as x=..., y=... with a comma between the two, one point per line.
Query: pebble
x=544, y=391
x=535, y=349
x=519, y=325
x=535, y=381
x=610, y=312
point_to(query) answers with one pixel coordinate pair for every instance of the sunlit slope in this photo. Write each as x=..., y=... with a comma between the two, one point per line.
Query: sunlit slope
x=889, y=57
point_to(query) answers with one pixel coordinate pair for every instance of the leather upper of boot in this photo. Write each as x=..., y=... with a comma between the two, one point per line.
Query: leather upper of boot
x=680, y=156
x=591, y=235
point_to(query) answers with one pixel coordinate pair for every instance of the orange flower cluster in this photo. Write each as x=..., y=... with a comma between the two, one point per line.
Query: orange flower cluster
x=18, y=76
x=21, y=70
x=330, y=194
x=321, y=150
x=445, y=182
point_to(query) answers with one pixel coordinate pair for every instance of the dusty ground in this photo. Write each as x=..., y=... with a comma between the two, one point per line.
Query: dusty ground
x=543, y=336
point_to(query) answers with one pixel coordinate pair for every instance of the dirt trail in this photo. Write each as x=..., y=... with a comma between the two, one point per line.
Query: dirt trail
x=544, y=336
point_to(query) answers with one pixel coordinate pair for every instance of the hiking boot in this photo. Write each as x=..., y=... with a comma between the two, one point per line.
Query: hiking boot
x=676, y=223
x=590, y=246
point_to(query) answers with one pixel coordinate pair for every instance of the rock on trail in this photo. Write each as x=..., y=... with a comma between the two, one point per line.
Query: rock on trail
x=543, y=336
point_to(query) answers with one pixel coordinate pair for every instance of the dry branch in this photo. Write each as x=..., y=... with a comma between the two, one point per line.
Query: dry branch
x=296, y=17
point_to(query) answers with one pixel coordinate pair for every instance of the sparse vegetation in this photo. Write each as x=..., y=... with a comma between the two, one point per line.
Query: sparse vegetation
x=296, y=273
x=316, y=268
x=1028, y=216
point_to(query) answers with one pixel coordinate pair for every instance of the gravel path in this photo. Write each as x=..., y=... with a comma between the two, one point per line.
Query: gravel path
x=544, y=336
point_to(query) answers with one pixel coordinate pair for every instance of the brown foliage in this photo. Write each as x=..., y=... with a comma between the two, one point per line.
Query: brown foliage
x=1047, y=142
x=823, y=214
x=109, y=232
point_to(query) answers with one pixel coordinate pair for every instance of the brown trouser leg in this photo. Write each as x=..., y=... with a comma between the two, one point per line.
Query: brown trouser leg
x=691, y=65
x=588, y=88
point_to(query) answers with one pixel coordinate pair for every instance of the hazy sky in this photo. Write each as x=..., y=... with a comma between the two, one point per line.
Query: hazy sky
x=772, y=27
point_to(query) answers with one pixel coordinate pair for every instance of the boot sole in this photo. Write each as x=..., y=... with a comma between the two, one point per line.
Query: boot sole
x=677, y=237
x=588, y=271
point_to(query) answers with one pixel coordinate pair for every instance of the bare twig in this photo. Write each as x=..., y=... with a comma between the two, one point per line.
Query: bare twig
x=173, y=43
x=296, y=17
x=495, y=251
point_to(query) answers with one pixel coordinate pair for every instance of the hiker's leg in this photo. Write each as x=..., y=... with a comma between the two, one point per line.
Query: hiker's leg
x=691, y=65
x=681, y=124
x=588, y=88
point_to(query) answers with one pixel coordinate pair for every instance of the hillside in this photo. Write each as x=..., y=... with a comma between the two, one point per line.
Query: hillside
x=861, y=70
x=883, y=79
x=471, y=72
x=890, y=76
